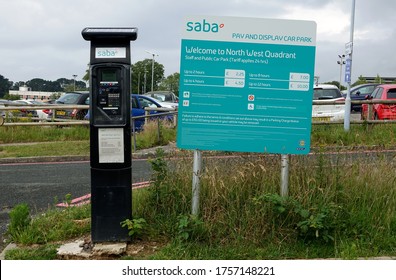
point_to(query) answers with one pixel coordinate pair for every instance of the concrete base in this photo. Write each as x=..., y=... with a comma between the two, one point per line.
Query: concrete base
x=9, y=247
x=81, y=250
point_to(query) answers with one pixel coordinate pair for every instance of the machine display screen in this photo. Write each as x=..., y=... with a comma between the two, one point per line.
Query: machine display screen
x=109, y=75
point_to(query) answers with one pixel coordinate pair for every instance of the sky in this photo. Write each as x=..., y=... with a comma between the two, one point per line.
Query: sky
x=42, y=38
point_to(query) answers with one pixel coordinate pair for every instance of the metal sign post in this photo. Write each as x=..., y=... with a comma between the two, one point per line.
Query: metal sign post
x=197, y=165
x=284, y=190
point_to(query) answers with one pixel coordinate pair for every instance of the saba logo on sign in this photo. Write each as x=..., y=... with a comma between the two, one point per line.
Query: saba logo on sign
x=204, y=26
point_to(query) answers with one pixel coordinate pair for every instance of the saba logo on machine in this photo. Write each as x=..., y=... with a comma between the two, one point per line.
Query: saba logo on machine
x=204, y=26
x=110, y=53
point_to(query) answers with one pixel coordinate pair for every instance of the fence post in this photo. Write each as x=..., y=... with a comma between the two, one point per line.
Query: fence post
x=159, y=130
x=370, y=111
x=134, y=135
x=175, y=120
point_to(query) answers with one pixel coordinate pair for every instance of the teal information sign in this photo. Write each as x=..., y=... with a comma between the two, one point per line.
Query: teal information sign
x=246, y=84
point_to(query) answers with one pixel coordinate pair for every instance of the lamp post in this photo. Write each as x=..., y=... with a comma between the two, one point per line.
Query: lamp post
x=341, y=62
x=152, y=70
x=139, y=83
x=74, y=81
x=145, y=80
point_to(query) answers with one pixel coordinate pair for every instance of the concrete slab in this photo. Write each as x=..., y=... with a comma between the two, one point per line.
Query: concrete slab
x=80, y=249
x=8, y=247
x=73, y=250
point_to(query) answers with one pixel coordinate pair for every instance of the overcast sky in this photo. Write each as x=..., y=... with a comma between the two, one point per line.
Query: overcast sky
x=42, y=38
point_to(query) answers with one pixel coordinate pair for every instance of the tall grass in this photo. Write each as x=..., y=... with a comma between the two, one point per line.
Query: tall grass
x=332, y=210
x=155, y=133
x=20, y=134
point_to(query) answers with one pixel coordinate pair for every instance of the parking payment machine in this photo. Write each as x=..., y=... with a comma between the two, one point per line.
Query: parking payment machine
x=110, y=131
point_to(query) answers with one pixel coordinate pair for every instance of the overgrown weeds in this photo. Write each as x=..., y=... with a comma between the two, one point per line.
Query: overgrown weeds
x=52, y=226
x=333, y=201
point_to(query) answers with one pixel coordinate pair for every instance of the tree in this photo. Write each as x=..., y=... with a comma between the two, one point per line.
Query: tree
x=16, y=85
x=337, y=84
x=5, y=85
x=86, y=76
x=378, y=79
x=360, y=81
x=43, y=85
x=72, y=85
x=171, y=83
x=141, y=75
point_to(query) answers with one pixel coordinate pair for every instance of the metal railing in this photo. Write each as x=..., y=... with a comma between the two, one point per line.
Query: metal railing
x=34, y=121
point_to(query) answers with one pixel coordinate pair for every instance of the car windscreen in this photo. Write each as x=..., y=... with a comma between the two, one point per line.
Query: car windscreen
x=70, y=98
x=326, y=93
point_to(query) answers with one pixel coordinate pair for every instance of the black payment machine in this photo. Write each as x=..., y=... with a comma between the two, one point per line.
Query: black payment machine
x=110, y=131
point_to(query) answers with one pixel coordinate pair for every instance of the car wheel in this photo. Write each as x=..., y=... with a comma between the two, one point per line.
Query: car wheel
x=376, y=117
x=80, y=115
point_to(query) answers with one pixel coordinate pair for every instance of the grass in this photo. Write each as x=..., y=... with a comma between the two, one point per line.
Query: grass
x=52, y=141
x=383, y=135
x=75, y=140
x=332, y=211
x=72, y=148
x=336, y=208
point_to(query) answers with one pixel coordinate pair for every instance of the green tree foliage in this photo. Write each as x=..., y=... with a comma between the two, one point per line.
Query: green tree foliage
x=16, y=85
x=171, y=83
x=5, y=85
x=141, y=75
x=68, y=85
x=86, y=76
x=378, y=79
x=360, y=81
x=38, y=84
x=337, y=84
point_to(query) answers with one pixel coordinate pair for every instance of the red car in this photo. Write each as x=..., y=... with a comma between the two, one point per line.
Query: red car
x=382, y=111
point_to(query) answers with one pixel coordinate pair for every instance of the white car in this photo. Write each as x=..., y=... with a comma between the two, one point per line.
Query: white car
x=167, y=99
x=42, y=114
x=330, y=112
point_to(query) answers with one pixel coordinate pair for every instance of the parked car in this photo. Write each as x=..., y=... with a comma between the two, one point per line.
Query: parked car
x=22, y=113
x=360, y=92
x=166, y=98
x=4, y=103
x=381, y=111
x=42, y=114
x=333, y=112
x=139, y=102
x=72, y=98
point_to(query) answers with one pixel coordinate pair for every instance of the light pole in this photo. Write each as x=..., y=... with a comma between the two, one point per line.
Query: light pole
x=74, y=81
x=341, y=62
x=152, y=69
x=145, y=80
x=139, y=83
